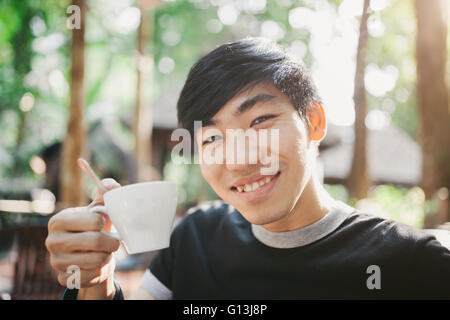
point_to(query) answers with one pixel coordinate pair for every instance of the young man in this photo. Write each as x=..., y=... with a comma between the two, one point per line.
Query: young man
x=273, y=236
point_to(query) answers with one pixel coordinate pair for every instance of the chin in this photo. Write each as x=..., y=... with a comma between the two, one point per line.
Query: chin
x=261, y=218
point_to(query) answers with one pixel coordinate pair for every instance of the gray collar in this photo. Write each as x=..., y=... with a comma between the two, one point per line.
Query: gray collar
x=306, y=235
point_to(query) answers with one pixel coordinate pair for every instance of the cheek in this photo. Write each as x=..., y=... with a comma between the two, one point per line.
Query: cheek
x=293, y=145
x=212, y=175
x=301, y=152
x=294, y=152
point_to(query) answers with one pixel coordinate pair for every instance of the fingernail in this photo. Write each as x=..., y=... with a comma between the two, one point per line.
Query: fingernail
x=107, y=182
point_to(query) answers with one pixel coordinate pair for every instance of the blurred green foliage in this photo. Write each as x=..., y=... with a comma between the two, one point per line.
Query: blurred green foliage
x=406, y=205
x=35, y=58
x=338, y=192
x=192, y=188
x=396, y=47
x=35, y=52
x=22, y=25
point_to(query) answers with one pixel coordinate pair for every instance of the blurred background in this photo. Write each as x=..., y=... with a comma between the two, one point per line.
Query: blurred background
x=100, y=79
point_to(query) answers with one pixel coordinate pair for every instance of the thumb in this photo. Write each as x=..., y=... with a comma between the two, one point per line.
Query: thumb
x=109, y=184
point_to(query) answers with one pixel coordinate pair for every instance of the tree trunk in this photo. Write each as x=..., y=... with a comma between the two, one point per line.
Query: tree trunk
x=359, y=180
x=434, y=109
x=71, y=176
x=142, y=125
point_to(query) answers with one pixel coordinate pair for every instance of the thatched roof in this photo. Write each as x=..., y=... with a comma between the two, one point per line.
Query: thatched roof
x=393, y=157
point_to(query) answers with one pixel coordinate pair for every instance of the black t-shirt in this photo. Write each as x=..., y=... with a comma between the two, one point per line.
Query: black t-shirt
x=214, y=254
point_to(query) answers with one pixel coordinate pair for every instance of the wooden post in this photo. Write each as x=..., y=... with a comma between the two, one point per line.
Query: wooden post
x=358, y=180
x=142, y=125
x=434, y=108
x=71, y=177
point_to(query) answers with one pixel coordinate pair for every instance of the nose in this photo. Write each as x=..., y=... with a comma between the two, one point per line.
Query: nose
x=250, y=153
x=241, y=154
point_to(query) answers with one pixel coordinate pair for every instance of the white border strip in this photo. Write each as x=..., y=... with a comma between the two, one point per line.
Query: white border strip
x=155, y=287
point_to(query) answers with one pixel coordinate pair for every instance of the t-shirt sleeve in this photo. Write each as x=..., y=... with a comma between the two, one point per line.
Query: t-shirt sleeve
x=157, y=279
x=431, y=261
x=165, y=277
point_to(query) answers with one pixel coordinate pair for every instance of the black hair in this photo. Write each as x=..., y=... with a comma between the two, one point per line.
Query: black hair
x=238, y=66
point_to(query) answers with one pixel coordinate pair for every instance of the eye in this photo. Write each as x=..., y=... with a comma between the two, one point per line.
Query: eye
x=211, y=139
x=262, y=119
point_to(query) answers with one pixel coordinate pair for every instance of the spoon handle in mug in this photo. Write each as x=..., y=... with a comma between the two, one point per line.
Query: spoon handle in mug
x=86, y=167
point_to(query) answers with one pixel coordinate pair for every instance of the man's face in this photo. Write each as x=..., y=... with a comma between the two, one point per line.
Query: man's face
x=275, y=195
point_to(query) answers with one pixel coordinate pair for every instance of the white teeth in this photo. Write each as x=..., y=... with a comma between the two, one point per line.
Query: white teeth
x=254, y=185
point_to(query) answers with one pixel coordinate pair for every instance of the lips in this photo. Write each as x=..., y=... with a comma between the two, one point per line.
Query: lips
x=255, y=188
x=252, y=183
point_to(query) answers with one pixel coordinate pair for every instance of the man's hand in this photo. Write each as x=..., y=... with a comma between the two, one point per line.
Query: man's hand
x=75, y=238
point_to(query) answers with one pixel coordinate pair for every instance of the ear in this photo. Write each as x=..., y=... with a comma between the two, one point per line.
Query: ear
x=318, y=121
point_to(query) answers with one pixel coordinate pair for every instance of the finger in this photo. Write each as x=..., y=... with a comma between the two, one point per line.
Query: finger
x=87, y=278
x=77, y=219
x=108, y=224
x=67, y=242
x=81, y=260
x=109, y=184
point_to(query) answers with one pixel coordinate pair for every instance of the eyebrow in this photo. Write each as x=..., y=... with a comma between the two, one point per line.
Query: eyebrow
x=244, y=107
x=251, y=102
x=208, y=123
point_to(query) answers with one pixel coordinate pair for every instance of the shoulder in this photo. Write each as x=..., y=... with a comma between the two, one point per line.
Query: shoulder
x=412, y=262
x=370, y=224
x=389, y=233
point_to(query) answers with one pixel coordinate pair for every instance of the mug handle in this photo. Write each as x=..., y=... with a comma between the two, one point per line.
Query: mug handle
x=102, y=209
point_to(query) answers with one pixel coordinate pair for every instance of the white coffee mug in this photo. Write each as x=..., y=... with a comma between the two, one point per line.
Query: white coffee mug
x=142, y=213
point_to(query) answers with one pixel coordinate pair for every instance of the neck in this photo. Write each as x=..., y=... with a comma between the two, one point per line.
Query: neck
x=313, y=204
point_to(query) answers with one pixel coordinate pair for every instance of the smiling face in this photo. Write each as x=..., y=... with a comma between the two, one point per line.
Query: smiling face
x=262, y=199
